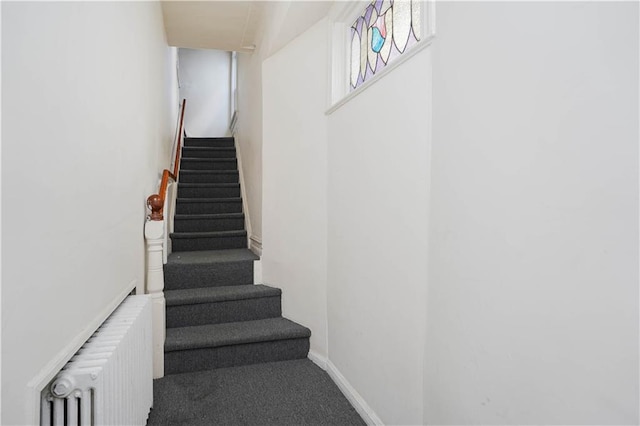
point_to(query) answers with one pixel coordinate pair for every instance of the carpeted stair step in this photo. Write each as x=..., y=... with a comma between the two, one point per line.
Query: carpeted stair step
x=208, y=152
x=208, y=164
x=215, y=305
x=208, y=205
x=208, y=190
x=209, y=142
x=208, y=222
x=193, y=269
x=209, y=176
x=193, y=241
x=207, y=347
x=294, y=392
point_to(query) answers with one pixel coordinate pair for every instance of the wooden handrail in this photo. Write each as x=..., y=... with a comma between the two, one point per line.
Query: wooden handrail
x=155, y=202
x=180, y=136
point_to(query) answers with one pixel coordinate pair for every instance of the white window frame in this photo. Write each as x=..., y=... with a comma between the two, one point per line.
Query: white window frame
x=341, y=17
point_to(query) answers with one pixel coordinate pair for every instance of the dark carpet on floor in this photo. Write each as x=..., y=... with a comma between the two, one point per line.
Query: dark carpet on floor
x=278, y=393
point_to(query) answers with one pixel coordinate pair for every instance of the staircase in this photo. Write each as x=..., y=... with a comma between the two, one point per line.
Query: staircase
x=215, y=315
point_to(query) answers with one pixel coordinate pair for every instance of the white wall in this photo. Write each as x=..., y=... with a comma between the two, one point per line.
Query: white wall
x=378, y=193
x=533, y=280
x=249, y=130
x=521, y=224
x=249, y=134
x=295, y=180
x=86, y=126
x=205, y=82
x=282, y=21
x=345, y=204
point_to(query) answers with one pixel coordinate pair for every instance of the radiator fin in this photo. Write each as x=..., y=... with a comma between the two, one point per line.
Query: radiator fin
x=109, y=380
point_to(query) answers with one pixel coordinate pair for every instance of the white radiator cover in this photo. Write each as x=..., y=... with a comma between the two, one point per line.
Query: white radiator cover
x=109, y=380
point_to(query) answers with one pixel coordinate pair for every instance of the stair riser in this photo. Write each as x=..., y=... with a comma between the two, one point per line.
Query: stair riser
x=210, y=142
x=208, y=208
x=221, y=312
x=176, y=362
x=187, y=164
x=194, y=152
x=208, y=225
x=180, y=277
x=230, y=192
x=219, y=243
x=209, y=178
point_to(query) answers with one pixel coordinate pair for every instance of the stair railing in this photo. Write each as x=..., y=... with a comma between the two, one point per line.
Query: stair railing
x=155, y=202
x=156, y=232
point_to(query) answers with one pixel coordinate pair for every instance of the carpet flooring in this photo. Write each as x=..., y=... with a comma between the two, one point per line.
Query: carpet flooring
x=278, y=393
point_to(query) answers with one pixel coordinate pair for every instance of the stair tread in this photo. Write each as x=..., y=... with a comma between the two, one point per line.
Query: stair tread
x=233, y=333
x=211, y=234
x=211, y=256
x=209, y=200
x=209, y=185
x=208, y=216
x=209, y=160
x=211, y=172
x=208, y=148
x=194, y=296
x=209, y=138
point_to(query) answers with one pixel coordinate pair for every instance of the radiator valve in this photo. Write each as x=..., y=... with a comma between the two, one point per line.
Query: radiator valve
x=62, y=387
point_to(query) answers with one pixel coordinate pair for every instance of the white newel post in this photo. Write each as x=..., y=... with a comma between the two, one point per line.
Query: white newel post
x=154, y=235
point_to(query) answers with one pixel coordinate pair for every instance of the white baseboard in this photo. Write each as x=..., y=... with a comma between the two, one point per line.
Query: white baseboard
x=318, y=360
x=243, y=192
x=37, y=384
x=361, y=406
x=257, y=272
x=255, y=245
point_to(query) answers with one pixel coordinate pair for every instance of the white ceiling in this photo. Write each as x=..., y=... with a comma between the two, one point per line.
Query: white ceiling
x=295, y=18
x=235, y=25
x=222, y=25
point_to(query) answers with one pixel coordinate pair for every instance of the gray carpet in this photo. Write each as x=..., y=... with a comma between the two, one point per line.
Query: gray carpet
x=233, y=333
x=198, y=269
x=216, y=305
x=279, y=393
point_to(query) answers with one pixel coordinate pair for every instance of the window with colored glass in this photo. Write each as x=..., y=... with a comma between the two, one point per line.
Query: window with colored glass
x=385, y=30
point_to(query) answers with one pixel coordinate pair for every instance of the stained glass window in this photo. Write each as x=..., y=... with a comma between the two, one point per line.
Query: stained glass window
x=384, y=31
